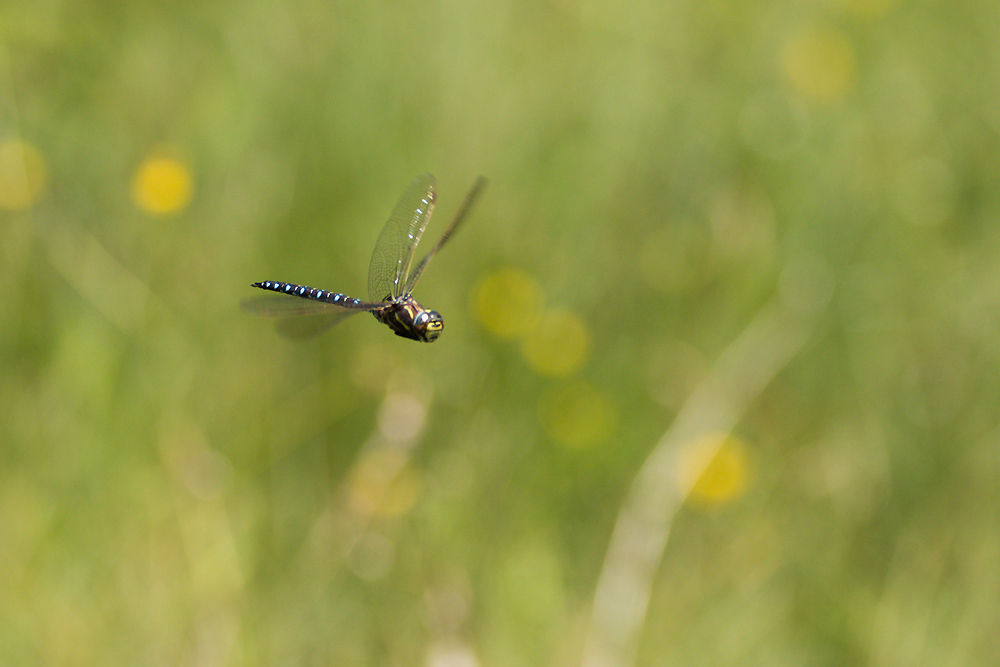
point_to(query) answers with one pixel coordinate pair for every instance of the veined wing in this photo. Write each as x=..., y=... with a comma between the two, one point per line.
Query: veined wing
x=298, y=318
x=286, y=306
x=306, y=311
x=389, y=270
x=477, y=187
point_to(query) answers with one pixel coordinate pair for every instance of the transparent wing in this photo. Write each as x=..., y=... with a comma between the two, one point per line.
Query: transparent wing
x=310, y=325
x=279, y=305
x=411, y=282
x=393, y=254
x=305, y=311
x=300, y=318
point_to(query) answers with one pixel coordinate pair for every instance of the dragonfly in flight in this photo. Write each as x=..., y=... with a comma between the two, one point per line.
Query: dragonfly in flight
x=392, y=276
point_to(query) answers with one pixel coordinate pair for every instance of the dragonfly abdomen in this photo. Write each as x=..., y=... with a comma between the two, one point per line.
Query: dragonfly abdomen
x=309, y=293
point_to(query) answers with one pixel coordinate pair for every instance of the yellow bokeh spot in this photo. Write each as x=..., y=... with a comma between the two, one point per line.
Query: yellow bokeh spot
x=162, y=185
x=23, y=175
x=820, y=64
x=383, y=483
x=558, y=344
x=577, y=415
x=507, y=302
x=716, y=468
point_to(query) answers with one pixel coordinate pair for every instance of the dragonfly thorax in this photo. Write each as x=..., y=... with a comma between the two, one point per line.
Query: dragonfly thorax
x=409, y=319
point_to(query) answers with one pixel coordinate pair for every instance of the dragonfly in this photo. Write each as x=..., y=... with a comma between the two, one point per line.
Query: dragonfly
x=392, y=275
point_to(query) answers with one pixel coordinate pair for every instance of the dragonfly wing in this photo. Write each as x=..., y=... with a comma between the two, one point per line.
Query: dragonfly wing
x=299, y=318
x=389, y=270
x=411, y=281
x=310, y=325
x=290, y=306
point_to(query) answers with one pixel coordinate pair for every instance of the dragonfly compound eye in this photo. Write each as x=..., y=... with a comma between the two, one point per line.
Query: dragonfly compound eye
x=432, y=324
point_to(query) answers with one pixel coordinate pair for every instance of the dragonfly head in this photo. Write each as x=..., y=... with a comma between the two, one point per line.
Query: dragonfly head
x=429, y=324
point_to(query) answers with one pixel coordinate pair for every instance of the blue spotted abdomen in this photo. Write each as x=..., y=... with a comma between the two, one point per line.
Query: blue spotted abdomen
x=312, y=293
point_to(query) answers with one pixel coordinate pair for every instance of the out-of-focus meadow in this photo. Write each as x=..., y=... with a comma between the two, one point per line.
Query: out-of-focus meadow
x=719, y=378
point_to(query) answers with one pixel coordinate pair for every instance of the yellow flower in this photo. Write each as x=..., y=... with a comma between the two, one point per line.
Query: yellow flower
x=716, y=468
x=23, y=175
x=162, y=185
x=507, y=303
x=820, y=64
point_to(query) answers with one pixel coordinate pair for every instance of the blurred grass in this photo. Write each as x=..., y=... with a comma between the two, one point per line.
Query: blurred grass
x=178, y=485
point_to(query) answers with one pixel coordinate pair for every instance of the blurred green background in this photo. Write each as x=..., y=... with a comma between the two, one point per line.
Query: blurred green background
x=719, y=378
